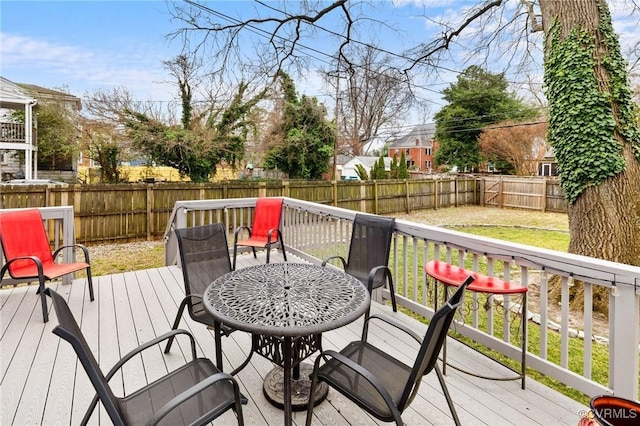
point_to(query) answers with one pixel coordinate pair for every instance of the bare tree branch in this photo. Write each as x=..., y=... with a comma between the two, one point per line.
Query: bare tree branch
x=444, y=42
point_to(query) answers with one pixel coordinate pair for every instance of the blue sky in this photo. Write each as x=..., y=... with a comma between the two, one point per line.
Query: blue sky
x=86, y=45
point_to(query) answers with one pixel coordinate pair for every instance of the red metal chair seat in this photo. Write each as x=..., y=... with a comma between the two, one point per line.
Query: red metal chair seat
x=451, y=275
x=28, y=255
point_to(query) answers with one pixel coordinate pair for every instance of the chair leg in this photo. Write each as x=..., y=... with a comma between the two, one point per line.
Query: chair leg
x=235, y=250
x=523, y=361
x=393, y=294
x=268, y=250
x=443, y=384
x=43, y=300
x=284, y=253
x=175, y=325
x=218, y=341
x=90, y=283
x=312, y=391
x=254, y=252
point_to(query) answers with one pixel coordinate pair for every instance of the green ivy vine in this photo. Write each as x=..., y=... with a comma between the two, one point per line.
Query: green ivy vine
x=582, y=124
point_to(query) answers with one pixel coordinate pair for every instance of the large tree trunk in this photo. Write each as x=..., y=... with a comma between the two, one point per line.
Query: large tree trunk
x=604, y=219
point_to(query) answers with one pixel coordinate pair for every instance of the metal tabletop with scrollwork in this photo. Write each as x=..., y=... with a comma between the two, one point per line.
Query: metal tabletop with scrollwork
x=286, y=299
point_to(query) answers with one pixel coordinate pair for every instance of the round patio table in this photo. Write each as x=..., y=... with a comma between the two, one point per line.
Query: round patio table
x=286, y=307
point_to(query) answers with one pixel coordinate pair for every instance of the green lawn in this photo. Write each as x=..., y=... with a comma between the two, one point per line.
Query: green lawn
x=537, y=229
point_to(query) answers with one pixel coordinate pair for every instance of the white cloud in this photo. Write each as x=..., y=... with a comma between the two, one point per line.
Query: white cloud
x=41, y=62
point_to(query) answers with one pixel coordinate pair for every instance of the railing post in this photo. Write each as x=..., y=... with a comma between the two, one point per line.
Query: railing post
x=624, y=337
x=171, y=255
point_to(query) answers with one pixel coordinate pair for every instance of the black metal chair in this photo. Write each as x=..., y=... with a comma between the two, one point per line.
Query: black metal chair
x=195, y=393
x=368, y=257
x=378, y=382
x=204, y=256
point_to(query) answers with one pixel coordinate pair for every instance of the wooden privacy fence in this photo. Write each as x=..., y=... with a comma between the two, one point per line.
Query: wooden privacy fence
x=127, y=212
x=542, y=194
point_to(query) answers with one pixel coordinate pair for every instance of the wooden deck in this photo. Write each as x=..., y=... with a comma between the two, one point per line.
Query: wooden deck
x=42, y=382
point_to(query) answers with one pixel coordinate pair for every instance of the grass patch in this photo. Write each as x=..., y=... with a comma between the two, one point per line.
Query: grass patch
x=552, y=240
x=118, y=258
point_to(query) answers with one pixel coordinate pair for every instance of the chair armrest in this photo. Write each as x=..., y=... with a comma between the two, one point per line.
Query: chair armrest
x=194, y=296
x=367, y=375
x=344, y=262
x=192, y=391
x=374, y=271
x=271, y=231
x=80, y=246
x=127, y=357
x=395, y=324
x=35, y=260
x=149, y=344
x=237, y=231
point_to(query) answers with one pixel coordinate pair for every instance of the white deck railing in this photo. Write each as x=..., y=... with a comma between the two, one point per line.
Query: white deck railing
x=314, y=232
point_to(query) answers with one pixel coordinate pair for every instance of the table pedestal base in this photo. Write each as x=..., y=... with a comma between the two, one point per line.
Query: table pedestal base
x=273, y=388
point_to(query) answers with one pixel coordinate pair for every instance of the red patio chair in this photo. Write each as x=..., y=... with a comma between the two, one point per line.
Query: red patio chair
x=265, y=230
x=28, y=255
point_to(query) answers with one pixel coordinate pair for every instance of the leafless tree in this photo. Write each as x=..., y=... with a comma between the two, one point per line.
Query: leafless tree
x=508, y=30
x=519, y=144
x=372, y=95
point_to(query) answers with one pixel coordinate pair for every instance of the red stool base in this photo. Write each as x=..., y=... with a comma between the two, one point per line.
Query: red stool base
x=451, y=275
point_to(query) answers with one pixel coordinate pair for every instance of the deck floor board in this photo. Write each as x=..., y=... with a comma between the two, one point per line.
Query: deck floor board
x=43, y=383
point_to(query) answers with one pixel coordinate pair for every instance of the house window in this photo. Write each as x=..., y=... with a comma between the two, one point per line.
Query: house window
x=427, y=151
x=427, y=164
x=545, y=169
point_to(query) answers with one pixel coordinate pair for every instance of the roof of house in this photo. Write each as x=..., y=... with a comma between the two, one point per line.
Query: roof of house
x=367, y=161
x=45, y=94
x=424, y=133
x=341, y=159
x=13, y=96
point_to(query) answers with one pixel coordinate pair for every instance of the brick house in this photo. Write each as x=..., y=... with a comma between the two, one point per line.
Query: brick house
x=419, y=147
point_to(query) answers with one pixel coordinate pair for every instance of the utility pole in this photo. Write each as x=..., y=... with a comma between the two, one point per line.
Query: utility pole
x=335, y=142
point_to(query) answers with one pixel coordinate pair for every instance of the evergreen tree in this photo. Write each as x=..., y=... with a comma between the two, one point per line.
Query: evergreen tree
x=403, y=173
x=478, y=98
x=378, y=171
x=308, y=137
x=393, y=172
x=362, y=172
